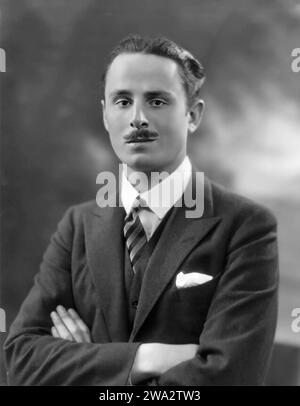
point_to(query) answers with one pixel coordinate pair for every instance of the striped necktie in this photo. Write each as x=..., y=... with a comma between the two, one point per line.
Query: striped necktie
x=134, y=233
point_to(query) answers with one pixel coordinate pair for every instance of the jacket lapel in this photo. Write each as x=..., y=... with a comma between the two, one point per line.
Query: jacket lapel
x=179, y=237
x=105, y=252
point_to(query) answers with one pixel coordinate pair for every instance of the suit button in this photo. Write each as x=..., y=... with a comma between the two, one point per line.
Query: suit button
x=134, y=304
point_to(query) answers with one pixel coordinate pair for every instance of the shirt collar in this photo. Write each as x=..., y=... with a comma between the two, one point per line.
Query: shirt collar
x=161, y=197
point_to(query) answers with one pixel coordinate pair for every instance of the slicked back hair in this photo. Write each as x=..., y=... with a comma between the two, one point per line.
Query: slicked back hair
x=190, y=69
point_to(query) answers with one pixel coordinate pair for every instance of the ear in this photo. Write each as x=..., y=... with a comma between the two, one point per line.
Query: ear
x=104, y=114
x=195, y=115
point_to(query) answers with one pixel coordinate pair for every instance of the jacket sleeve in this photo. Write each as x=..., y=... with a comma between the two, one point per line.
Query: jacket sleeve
x=236, y=342
x=34, y=357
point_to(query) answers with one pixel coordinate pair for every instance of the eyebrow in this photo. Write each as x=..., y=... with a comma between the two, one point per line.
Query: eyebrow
x=117, y=93
x=158, y=93
x=149, y=94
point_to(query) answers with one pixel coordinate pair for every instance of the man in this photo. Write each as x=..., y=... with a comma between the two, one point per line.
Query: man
x=142, y=293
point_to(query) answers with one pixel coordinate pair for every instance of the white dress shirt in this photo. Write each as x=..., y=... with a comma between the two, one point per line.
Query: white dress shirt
x=160, y=198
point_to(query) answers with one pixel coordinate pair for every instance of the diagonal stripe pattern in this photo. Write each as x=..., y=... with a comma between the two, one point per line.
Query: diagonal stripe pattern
x=134, y=233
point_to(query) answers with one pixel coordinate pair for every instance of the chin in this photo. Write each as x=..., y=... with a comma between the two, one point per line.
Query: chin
x=142, y=164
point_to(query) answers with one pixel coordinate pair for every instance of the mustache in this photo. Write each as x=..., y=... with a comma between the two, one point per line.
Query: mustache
x=141, y=135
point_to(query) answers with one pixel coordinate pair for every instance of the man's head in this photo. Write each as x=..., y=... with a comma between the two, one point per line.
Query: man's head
x=151, y=102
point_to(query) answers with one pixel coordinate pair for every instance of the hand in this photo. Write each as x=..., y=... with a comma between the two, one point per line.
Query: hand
x=154, y=359
x=69, y=326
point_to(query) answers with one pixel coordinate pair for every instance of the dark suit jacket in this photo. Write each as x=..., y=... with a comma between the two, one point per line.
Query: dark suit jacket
x=232, y=317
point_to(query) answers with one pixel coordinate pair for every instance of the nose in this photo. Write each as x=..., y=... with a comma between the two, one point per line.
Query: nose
x=139, y=120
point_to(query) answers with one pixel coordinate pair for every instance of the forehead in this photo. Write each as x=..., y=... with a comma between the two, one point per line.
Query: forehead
x=143, y=72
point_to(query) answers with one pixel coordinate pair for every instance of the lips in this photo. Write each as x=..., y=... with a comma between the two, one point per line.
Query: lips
x=141, y=140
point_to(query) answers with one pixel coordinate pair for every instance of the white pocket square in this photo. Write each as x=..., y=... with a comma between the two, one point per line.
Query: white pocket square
x=187, y=280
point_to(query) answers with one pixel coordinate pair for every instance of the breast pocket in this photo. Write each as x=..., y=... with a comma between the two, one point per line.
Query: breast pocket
x=195, y=299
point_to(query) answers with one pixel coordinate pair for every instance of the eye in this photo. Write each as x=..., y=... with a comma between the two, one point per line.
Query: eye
x=157, y=102
x=122, y=102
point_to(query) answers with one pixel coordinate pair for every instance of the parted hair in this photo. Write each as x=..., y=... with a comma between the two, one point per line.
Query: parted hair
x=190, y=69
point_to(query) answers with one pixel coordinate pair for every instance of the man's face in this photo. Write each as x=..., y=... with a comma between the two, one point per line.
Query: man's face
x=145, y=112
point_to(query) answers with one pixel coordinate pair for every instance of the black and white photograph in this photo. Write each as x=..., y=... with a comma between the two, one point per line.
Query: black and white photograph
x=150, y=195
